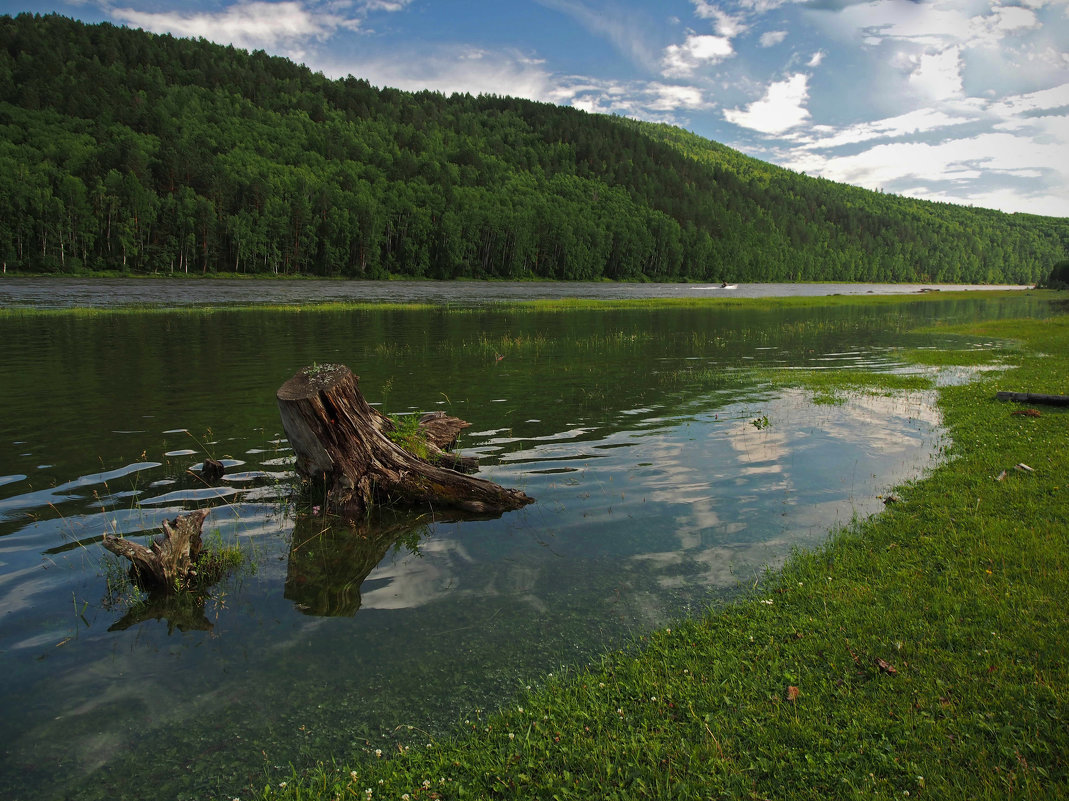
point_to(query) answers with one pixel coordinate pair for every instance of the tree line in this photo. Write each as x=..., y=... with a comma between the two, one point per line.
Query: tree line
x=124, y=150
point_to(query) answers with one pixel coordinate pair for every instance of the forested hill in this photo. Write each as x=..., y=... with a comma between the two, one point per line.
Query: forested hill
x=125, y=150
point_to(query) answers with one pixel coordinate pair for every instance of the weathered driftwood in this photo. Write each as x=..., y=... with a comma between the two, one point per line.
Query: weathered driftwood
x=1031, y=397
x=441, y=431
x=170, y=560
x=340, y=440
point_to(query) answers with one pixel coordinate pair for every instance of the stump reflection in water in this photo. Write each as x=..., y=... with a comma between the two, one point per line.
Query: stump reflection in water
x=330, y=558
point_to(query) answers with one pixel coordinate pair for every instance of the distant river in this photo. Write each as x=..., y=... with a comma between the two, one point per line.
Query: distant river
x=105, y=292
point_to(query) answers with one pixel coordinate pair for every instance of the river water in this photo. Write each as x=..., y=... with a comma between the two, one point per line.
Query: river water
x=669, y=470
x=108, y=292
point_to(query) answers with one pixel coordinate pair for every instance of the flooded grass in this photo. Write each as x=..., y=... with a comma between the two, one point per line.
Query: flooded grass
x=920, y=653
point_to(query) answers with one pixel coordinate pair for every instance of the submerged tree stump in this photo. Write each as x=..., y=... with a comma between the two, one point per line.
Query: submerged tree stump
x=442, y=431
x=169, y=561
x=340, y=440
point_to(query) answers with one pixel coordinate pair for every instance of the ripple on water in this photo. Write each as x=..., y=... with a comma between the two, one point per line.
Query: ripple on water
x=191, y=495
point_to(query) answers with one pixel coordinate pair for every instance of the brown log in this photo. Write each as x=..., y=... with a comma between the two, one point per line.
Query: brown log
x=340, y=440
x=442, y=431
x=1031, y=397
x=169, y=561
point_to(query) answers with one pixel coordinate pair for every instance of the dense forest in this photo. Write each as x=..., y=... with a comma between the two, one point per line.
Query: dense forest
x=124, y=150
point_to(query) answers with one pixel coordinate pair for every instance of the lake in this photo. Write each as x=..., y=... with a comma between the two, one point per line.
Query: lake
x=670, y=471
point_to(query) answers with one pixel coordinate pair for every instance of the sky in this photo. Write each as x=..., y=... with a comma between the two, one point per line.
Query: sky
x=963, y=101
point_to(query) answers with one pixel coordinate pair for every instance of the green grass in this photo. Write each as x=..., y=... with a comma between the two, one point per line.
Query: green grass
x=407, y=433
x=960, y=589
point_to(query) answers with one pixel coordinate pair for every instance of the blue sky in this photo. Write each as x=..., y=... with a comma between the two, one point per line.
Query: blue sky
x=965, y=101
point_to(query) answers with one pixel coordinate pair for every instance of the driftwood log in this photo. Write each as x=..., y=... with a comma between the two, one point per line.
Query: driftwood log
x=1032, y=397
x=169, y=562
x=340, y=441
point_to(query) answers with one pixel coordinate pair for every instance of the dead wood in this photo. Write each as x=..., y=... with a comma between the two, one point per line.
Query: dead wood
x=212, y=470
x=169, y=561
x=1031, y=397
x=441, y=431
x=341, y=441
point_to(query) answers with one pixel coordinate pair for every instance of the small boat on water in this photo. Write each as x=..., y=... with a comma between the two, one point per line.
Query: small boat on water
x=726, y=285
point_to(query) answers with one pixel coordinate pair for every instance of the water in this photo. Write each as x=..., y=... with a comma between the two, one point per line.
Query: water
x=656, y=497
x=66, y=292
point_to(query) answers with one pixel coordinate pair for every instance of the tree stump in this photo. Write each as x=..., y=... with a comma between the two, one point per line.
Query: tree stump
x=170, y=560
x=212, y=470
x=340, y=440
x=441, y=431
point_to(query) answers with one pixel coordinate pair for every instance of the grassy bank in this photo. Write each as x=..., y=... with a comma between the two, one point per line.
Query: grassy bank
x=919, y=654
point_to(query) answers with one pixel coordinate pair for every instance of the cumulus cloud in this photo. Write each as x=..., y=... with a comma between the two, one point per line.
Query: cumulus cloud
x=950, y=170
x=781, y=108
x=681, y=61
x=938, y=75
x=284, y=27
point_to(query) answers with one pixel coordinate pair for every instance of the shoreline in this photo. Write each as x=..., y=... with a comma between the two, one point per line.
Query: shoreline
x=918, y=653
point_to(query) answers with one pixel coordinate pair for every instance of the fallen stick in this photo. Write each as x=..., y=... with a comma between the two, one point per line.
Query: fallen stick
x=1031, y=397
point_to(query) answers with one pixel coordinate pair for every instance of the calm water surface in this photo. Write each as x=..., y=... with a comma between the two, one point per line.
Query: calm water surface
x=104, y=292
x=657, y=496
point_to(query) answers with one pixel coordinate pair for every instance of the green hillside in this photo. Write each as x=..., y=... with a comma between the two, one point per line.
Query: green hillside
x=123, y=150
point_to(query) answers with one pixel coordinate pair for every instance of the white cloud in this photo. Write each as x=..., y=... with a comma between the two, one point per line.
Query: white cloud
x=284, y=27
x=938, y=75
x=816, y=59
x=464, y=69
x=1042, y=100
x=461, y=69
x=671, y=98
x=972, y=166
x=383, y=5
x=772, y=38
x=919, y=121
x=992, y=28
x=936, y=24
x=727, y=25
x=680, y=61
x=782, y=107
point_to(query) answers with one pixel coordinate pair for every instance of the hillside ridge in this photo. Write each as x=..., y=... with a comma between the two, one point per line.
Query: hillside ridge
x=126, y=150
